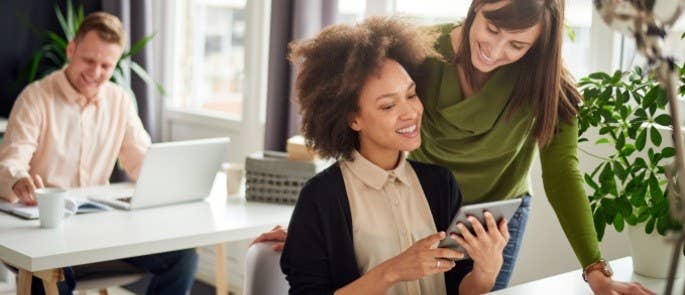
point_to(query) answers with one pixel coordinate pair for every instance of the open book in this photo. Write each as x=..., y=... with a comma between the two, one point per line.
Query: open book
x=71, y=206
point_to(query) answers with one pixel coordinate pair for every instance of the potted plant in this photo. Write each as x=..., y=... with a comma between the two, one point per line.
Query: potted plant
x=52, y=55
x=628, y=186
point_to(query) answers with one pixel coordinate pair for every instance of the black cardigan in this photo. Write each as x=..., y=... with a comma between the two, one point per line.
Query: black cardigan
x=319, y=257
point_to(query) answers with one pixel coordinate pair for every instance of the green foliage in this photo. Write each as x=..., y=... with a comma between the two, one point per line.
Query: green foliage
x=52, y=55
x=629, y=186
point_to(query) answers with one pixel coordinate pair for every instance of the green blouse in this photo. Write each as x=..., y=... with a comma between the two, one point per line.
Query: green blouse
x=490, y=152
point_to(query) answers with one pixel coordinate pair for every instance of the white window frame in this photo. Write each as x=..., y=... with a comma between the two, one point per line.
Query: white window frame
x=244, y=132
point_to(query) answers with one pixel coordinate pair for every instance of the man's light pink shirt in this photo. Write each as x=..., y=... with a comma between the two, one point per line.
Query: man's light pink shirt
x=68, y=140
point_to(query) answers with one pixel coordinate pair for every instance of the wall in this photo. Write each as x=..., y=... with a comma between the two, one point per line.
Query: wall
x=22, y=43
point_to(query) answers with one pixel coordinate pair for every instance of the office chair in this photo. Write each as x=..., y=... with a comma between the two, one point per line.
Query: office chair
x=263, y=274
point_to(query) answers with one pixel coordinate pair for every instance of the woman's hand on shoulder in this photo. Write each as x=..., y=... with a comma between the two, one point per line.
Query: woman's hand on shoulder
x=485, y=245
x=420, y=260
x=277, y=235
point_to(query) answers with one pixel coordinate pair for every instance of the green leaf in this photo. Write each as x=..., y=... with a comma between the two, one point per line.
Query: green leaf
x=570, y=32
x=661, y=98
x=624, y=206
x=656, y=137
x=602, y=140
x=627, y=150
x=641, y=140
x=616, y=77
x=607, y=174
x=139, y=45
x=146, y=77
x=35, y=62
x=610, y=209
x=620, y=141
x=632, y=130
x=620, y=172
x=618, y=222
x=650, y=96
x=668, y=152
x=604, y=77
x=631, y=220
x=649, y=227
x=591, y=182
x=625, y=96
x=639, y=163
x=640, y=113
x=650, y=154
x=62, y=21
x=655, y=191
x=605, y=130
x=70, y=20
x=661, y=225
x=600, y=224
x=79, y=16
x=663, y=120
x=637, y=197
x=642, y=216
x=59, y=41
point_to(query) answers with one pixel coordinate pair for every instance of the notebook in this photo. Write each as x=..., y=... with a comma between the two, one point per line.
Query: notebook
x=72, y=205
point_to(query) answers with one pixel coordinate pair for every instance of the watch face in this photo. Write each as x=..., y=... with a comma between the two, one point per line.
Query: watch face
x=607, y=270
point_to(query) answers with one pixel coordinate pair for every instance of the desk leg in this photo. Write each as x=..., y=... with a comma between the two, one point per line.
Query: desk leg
x=50, y=279
x=24, y=284
x=221, y=279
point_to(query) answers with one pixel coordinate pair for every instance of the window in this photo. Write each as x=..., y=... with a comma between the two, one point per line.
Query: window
x=351, y=11
x=433, y=11
x=576, y=52
x=210, y=57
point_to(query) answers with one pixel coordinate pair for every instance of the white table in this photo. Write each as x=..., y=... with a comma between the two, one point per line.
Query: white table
x=571, y=283
x=118, y=234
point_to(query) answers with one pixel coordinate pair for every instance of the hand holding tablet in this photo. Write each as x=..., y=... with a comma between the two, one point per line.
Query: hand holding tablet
x=499, y=209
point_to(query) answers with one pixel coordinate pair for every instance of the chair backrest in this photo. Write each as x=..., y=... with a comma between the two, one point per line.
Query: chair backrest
x=263, y=274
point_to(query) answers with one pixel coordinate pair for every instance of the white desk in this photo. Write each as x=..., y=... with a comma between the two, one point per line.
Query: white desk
x=118, y=234
x=571, y=282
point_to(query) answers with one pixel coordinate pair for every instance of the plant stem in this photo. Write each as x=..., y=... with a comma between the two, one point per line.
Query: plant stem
x=593, y=155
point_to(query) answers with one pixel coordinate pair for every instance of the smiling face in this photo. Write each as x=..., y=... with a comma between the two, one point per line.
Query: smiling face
x=91, y=63
x=493, y=47
x=389, y=116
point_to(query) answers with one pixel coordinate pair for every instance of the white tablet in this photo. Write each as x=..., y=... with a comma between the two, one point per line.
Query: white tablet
x=499, y=209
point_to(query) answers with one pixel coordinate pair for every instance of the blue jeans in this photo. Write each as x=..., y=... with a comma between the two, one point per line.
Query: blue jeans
x=517, y=226
x=174, y=273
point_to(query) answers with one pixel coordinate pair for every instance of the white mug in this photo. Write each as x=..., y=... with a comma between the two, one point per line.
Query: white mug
x=51, y=207
x=234, y=177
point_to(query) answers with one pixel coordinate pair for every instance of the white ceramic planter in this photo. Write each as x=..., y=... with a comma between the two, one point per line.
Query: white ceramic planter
x=652, y=253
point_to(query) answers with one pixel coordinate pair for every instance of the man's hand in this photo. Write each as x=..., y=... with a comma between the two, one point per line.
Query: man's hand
x=25, y=189
x=277, y=235
x=603, y=285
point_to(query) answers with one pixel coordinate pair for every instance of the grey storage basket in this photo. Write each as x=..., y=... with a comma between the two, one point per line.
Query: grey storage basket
x=272, y=177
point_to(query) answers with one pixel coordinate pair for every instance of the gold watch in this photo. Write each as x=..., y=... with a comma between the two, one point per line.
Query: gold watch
x=600, y=265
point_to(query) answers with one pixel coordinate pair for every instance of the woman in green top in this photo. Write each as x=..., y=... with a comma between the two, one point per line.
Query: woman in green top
x=501, y=92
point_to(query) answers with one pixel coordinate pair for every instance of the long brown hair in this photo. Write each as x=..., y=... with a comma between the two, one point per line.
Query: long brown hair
x=544, y=83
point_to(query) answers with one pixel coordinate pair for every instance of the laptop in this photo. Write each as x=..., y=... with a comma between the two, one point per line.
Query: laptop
x=172, y=172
